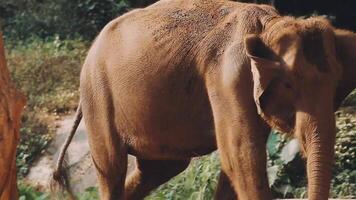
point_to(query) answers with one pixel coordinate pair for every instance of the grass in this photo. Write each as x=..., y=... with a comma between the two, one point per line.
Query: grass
x=27, y=192
x=30, y=193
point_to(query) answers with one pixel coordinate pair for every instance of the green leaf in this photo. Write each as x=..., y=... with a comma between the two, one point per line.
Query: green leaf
x=272, y=142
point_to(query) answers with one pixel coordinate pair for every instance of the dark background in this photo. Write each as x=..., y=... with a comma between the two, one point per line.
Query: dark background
x=341, y=12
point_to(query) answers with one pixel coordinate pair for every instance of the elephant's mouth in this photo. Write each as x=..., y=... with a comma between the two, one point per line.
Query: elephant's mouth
x=281, y=123
x=278, y=108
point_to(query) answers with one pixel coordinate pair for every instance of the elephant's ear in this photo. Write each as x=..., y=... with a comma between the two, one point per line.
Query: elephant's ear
x=263, y=66
x=345, y=42
x=345, y=46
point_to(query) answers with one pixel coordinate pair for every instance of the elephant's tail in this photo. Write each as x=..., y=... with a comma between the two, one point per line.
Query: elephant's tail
x=59, y=181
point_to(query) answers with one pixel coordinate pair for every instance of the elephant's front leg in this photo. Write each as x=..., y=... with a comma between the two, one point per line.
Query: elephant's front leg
x=241, y=138
x=225, y=190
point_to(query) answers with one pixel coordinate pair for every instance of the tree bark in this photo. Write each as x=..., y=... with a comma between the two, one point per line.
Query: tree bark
x=11, y=106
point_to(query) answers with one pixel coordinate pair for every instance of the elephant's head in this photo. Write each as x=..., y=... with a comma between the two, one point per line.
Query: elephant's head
x=296, y=69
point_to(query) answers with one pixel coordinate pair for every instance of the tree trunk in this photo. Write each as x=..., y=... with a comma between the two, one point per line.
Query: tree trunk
x=11, y=105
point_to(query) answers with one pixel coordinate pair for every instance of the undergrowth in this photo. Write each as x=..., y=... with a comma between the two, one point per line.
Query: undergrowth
x=47, y=72
x=198, y=182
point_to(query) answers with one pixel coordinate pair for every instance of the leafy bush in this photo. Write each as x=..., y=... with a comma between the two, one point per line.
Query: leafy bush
x=344, y=182
x=287, y=173
x=35, y=136
x=285, y=167
x=47, y=72
x=66, y=18
x=351, y=99
x=27, y=192
x=198, y=182
x=90, y=193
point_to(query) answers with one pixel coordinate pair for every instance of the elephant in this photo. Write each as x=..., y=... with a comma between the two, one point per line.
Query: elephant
x=180, y=79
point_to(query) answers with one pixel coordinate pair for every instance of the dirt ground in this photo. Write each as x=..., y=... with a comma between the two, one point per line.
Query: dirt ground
x=82, y=172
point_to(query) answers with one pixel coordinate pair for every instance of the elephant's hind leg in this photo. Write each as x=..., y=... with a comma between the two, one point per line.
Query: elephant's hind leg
x=108, y=151
x=149, y=174
x=110, y=164
x=109, y=156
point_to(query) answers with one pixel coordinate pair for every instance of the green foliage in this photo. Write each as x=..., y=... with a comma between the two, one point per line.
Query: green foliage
x=288, y=179
x=351, y=99
x=90, y=193
x=86, y=17
x=66, y=18
x=47, y=72
x=27, y=192
x=198, y=182
x=344, y=182
x=35, y=136
x=285, y=167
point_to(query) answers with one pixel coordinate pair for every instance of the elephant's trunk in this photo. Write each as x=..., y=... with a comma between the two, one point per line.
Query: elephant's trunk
x=316, y=129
